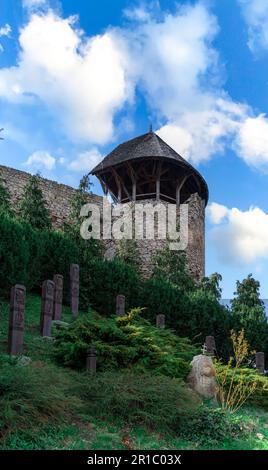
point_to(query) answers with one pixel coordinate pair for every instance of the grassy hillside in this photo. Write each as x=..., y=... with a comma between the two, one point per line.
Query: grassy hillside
x=46, y=405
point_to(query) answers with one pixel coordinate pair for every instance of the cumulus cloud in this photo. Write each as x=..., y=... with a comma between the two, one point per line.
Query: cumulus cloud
x=41, y=159
x=252, y=141
x=86, y=81
x=199, y=135
x=86, y=161
x=216, y=212
x=255, y=13
x=201, y=120
x=240, y=237
x=82, y=81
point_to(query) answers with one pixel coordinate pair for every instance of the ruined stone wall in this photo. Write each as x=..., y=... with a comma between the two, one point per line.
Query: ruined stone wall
x=58, y=196
x=195, y=251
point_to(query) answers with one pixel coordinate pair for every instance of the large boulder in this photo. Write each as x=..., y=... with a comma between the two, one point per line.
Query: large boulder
x=202, y=378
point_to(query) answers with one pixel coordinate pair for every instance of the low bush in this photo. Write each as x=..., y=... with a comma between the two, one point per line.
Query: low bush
x=137, y=399
x=31, y=395
x=209, y=425
x=123, y=342
x=246, y=376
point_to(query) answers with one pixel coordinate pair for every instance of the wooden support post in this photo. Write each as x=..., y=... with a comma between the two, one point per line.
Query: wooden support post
x=134, y=191
x=158, y=189
x=119, y=194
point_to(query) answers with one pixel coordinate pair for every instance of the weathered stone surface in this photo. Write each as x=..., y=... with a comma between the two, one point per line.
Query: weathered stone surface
x=260, y=362
x=120, y=305
x=202, y=376
x=58, y=196
x=91, y=360
x=195, y=251
x=210, y=345
x=160, y=321
x=47, y=308
x=16, y=319
x=74, y=287
x=58, y=295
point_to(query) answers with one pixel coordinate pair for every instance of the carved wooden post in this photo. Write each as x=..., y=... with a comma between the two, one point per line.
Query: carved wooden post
x=160, y=321
x=91, y=360
x=58, y=294
x=74, y=277
x=16, y=319
x=260, y=362
x=47, y=307
x=210, y=344
x=120, y=305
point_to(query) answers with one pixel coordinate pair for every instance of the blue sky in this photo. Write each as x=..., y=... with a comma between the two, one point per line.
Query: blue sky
x=79, y=77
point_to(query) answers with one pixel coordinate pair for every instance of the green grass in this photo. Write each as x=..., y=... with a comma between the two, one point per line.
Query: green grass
x=44, y=405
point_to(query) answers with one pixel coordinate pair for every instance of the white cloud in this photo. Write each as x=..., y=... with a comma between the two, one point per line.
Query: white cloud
x=177, y=68
x=170, y=58
x=41, y=159
x=255, y=13
x=5, y=30
x=138, y=14
x=252, y=141
x=240, y=237
x=86, y=161
x=199, y=135
x=216, y=212
x=33, y=3
x=82, y=81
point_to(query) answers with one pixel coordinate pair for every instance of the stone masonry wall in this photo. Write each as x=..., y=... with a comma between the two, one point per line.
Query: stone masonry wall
x=58, y=197
x=195, y=251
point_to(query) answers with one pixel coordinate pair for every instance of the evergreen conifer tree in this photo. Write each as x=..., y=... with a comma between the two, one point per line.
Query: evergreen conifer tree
x=33, y=205
x=5, y=204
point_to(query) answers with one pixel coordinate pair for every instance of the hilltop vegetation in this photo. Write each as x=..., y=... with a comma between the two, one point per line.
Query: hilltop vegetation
x=46, y=406
x=139, y=397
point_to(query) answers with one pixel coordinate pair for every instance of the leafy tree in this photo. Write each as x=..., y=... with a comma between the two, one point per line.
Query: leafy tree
x=127, y=251
x=5, y=204
x=33, y=206
x=171, y=266
x=249, y=312
x=247, y=293
x=211, y=285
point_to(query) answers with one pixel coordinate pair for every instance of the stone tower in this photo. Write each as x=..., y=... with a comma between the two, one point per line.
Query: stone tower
x=147, y=169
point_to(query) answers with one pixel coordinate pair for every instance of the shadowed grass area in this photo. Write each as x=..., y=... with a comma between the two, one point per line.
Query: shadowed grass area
x=46, y=406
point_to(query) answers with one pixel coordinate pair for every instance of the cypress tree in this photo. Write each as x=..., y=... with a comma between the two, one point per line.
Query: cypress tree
x=33, y=207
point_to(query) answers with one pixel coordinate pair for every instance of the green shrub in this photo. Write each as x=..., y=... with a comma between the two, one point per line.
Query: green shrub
x=195, y=314
x=124, y=342
x=29, y=256
x=208, y=425
x=137, y=399
x=102, y=281
x=260, y=396
x=31, y=395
